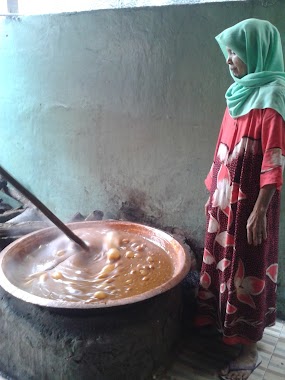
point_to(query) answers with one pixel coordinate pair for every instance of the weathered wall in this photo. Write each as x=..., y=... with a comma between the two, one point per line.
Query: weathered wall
x=103, y=106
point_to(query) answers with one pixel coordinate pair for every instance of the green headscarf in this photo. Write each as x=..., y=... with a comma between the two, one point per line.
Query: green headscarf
x=257, y=43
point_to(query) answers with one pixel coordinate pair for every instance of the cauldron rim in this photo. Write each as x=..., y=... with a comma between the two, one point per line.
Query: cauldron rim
x=183, y=260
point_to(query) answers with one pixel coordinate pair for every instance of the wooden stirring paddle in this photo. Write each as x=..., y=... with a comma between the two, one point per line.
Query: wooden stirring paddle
x=53, y=218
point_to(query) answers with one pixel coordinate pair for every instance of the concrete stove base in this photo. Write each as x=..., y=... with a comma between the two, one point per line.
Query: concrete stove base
x=122, y=343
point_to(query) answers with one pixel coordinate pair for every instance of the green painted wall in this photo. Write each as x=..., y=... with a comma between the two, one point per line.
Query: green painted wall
x=99, y=107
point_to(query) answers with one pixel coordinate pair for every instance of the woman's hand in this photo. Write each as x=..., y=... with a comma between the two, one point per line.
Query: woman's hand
x=256, y=223
x=256, y=227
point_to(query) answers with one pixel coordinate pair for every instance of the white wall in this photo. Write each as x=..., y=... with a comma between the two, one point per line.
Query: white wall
x=99, y=107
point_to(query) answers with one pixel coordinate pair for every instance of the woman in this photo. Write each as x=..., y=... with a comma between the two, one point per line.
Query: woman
x=239, y=273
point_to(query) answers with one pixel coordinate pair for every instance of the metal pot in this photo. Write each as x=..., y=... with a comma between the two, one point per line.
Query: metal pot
x=27, y=244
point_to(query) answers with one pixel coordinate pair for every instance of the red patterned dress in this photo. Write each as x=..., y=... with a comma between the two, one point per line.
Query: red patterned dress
x=238, y=281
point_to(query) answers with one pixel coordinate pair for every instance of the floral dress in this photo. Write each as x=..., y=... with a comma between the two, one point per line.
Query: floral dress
x=237, y=289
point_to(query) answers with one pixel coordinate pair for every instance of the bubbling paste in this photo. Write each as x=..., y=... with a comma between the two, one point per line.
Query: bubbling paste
x=119, y=265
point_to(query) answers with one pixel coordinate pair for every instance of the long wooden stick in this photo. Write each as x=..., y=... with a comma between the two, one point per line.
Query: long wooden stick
x=50, y=215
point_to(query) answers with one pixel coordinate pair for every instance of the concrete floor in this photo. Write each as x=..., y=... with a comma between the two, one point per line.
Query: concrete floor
x=198, y=358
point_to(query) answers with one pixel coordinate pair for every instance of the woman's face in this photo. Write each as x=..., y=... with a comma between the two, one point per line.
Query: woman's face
x=236, y=65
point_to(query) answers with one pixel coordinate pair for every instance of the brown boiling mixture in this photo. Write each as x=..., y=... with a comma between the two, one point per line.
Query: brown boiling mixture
x=119, y=265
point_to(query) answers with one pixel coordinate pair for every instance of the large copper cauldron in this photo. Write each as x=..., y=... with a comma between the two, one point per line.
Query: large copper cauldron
x=109, y=340
x=27, y=244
